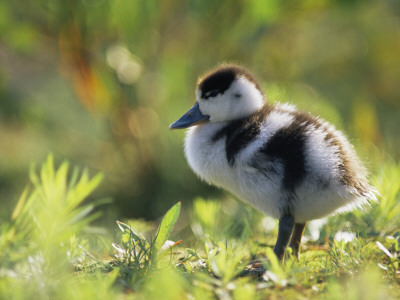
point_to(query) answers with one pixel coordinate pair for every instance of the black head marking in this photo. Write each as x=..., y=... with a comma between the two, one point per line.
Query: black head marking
x=218, y=81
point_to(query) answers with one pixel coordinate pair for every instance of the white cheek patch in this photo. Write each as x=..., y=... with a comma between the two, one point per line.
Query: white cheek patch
x=218, y=108
x=245, y=97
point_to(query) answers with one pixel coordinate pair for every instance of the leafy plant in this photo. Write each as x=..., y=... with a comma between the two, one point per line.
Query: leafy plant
x=49, y=212
x=137, y=256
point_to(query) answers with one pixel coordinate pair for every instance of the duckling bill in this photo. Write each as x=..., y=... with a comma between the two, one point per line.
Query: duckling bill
x=288, y=164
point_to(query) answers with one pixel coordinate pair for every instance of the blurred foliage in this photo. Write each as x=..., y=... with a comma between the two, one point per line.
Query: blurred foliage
x=99, y=81
x=40, y=242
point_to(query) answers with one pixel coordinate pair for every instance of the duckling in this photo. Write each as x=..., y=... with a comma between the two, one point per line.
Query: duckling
x=288, y=164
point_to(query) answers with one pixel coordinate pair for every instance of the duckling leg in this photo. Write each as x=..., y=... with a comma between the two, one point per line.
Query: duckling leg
x=286, y=225
x=296, y=238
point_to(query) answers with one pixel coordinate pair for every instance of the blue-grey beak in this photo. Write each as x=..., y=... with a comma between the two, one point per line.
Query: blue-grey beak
x=192, y=117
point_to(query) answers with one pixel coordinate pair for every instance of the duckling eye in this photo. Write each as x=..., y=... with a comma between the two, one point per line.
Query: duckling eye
x=212, y=93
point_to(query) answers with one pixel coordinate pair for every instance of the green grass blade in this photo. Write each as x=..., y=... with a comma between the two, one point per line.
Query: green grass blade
x=20, y=204
x=166, y=226
x=125, y=227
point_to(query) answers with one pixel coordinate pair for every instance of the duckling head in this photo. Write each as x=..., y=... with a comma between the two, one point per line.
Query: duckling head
x=225, y=94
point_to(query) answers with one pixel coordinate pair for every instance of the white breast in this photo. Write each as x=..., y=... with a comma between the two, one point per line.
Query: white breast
x=206, y=158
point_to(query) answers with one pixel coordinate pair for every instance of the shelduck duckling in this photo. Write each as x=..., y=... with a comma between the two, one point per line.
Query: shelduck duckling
x=288, y=164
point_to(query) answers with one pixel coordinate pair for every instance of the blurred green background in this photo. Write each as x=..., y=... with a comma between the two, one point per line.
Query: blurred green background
x=98, y=82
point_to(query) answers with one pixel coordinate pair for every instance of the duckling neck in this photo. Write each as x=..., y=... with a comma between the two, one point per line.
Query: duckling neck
x=206, y=156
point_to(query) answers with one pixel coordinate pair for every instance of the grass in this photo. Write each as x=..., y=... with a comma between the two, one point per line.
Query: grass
x=48, y=249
